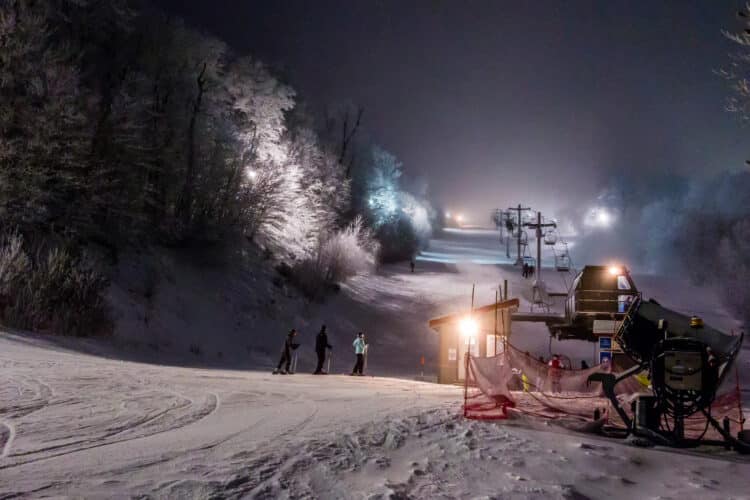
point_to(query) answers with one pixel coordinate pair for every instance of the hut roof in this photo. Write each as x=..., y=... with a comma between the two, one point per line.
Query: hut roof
x=487, y=310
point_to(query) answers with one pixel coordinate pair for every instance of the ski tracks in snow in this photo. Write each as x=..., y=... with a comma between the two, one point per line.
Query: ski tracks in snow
x=93, y=409
x=7, y=433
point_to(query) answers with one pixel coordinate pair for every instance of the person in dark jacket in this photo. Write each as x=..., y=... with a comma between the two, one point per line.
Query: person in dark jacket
x=286, y=353
x=321, y=344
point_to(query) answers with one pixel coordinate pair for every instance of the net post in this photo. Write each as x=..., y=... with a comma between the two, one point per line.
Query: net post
x=739, y=397
x=466, y=382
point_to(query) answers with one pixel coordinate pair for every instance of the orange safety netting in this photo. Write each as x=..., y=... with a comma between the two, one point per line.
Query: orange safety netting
x=514, y=380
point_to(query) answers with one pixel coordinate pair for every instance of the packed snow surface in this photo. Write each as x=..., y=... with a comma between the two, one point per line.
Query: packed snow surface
x=76, y=420
x=81, y=425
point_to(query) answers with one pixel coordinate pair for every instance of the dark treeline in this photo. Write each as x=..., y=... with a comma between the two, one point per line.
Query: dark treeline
x=121, y=126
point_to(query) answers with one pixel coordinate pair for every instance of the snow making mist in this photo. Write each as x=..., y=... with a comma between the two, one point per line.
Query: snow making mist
x=667, y=226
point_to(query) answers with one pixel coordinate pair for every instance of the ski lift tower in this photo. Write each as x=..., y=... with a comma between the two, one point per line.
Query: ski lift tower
x=538, y=226
x=503, y=220
x=519, y=210
x=497, y=218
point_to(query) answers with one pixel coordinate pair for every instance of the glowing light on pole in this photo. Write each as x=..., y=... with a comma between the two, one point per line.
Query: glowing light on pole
x=252, y=174
x=599, y=217
x=468, y=327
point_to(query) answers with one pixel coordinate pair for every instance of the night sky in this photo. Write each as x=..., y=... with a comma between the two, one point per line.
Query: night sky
x=497, y=102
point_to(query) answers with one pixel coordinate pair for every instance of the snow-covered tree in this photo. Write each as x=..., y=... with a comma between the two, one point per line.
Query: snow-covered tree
x=383, y=187
x=43, y=132
x=270, y=179
x=737, y=73
x=419, y=214
x=259, y=102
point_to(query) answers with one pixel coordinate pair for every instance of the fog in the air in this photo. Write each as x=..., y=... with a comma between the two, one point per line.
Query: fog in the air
x=488, y=105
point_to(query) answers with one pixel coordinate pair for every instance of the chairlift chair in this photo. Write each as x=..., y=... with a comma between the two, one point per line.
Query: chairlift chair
x=562, y=259
x=550, y=237
x=562, y=263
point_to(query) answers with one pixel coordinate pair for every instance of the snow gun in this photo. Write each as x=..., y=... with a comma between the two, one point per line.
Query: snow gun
x=687, y=361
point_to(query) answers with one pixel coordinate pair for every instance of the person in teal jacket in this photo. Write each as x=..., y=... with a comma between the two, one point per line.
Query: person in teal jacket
x=359, y=349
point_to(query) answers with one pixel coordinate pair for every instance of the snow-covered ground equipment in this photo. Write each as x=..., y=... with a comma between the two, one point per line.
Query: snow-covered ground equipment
x=661, y=375
x=687, y=362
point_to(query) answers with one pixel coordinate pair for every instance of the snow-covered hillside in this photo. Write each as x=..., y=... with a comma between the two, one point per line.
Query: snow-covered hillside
x=97, y=418
x=233, y=310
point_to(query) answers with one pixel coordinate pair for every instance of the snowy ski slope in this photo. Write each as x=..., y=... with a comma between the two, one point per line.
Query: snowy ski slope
x=75, y=421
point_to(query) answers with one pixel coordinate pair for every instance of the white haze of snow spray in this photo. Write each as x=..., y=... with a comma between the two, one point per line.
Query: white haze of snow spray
x=672, y=227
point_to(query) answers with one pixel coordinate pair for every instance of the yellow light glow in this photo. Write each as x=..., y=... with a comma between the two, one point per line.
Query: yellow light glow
x=468, y=327
x=615, y=270
x=460, y=218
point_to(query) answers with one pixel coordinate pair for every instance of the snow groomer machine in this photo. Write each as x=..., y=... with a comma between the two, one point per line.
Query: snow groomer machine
x=686, y=362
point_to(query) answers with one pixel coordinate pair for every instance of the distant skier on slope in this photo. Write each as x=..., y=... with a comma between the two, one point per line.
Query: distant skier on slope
x=321, y=344
x=286, y=353
x=359, y=349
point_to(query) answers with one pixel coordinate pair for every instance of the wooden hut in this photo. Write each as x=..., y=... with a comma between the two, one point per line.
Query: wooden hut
x=481, y=332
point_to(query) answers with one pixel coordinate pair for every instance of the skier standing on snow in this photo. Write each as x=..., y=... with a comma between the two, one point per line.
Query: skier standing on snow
x=321, y=344
x=359, y=350
x=286, y=353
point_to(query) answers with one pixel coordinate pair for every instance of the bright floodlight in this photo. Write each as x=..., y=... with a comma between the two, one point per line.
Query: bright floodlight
x=603, y=218
x=615, y=270
x=460, y=218
x=447, y=215
x=468, y=327
x=252, y=174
